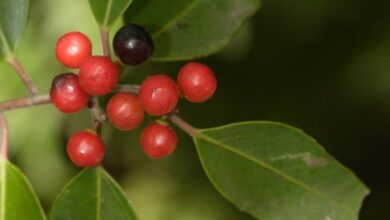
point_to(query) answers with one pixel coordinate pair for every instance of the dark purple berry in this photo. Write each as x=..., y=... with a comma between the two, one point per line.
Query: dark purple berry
x=133, y=44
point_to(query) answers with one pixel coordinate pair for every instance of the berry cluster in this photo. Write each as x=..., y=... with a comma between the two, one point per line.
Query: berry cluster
x=158, y=94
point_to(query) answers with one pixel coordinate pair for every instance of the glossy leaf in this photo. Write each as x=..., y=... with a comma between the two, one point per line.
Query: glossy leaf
x=92, y=194
x=13, y=18
x=17, y=198
x=187, y=29
x=274, y=171
x=107, y=11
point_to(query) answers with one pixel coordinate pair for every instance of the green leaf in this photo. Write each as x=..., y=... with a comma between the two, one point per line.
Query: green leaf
x=107, y=11
x=17, y=198
x=13, y=18
x=92, y=194
x=188, y=29
x=273, y=171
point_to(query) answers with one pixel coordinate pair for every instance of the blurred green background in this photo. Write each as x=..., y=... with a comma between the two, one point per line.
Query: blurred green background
x=323, y=66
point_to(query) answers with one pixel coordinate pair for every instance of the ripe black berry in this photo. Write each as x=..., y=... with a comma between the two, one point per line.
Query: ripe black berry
x=133, y=44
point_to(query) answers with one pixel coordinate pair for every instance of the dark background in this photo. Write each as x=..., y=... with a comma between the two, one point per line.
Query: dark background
x=322, y=66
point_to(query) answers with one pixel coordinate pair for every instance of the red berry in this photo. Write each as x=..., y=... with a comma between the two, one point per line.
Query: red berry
x=125, y=111
x=85, y=149
x=98, y=75
x=66, y=93
x=158, y=95
x=158, y=140
x=73, y=49
x=197, y=82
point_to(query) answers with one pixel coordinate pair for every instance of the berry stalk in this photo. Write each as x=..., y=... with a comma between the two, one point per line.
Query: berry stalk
x=14, y=62
x=127, y=88
x=190, y=130
x=104, y=34
x=98, y=115
x=183, y=125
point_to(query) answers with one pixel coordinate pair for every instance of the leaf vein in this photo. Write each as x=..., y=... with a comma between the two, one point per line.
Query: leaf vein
x=273, y=170
x=3, y=185
x=5, y=42
x=175, y=19
x=98, y=194
x=108, y=13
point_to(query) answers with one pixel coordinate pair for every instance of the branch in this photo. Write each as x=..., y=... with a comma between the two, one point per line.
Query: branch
x=14, y=62
x=4, y=137
x=98, y=114
x=45, y=99
x=24, y=102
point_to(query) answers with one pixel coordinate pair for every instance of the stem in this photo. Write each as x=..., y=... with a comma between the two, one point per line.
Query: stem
x=4, y=137
x=13, y=60
x=104, y=34
x=98, y=115
x=24, y=102
x=193, y=132
x=127, y=88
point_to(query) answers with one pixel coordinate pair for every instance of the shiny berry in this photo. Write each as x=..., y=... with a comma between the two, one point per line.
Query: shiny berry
x=73, y=49
x=98, y=75
x=197, y=82
x=133, y=44
x=66, y=93
x=158, y=140
x=85, y=149
x=125, y=111
x=158, y=95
